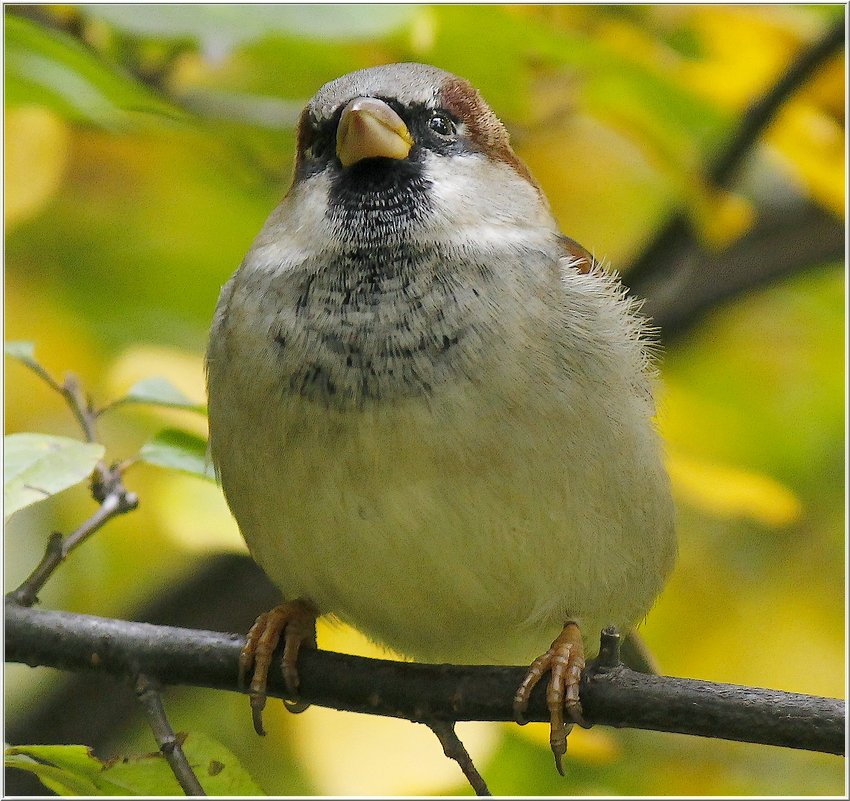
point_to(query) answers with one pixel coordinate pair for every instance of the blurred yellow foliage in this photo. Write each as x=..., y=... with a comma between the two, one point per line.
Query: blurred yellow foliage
x=731, y=69
x=366, y=755
x=193, y=513
x=595, y=746
x=30, y=315
x=808, y=131
x=36, y=152
x=574, y=159
x=721, y=217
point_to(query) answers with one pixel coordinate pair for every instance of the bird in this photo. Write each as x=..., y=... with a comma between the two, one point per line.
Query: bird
x=431, y=412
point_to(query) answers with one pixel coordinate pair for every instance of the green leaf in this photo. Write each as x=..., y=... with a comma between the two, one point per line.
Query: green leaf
x=75, y=770
x=37, y=466
x=179, y=450
x=65, y=769
x=159, y=391
x=52, y=777
x=52, y=68
x=218, y=770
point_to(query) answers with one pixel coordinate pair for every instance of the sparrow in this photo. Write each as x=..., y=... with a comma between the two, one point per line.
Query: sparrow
x=430, y=411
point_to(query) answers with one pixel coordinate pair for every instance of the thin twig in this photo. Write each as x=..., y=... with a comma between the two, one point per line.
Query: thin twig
x=169, y=743
x=613, y=696
x=70, y=389
x=664, y=250
x=453, y=748
x=117, y=501
x=81, y=406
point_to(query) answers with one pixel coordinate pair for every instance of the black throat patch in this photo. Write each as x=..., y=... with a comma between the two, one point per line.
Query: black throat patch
x=378, y=201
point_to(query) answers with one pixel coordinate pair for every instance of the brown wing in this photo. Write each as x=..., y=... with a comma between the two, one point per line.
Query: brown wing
x=584, y=262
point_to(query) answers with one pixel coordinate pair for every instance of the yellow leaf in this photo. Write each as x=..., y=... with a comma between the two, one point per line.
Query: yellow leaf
x=813, y=143
x=728, y=491
x=721, y=217
x=732, y=70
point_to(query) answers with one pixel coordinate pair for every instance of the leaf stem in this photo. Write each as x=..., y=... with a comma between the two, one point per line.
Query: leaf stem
x=70, y=389
x=107, y=488
x=80, y=406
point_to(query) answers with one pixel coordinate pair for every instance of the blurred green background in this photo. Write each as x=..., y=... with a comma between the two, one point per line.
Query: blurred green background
x=144, y=147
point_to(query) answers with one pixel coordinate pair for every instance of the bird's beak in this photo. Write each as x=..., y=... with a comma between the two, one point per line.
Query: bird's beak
x=368, y=129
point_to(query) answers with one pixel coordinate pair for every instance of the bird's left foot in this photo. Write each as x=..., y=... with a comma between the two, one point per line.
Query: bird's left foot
x=295, y=621
x=564, y=661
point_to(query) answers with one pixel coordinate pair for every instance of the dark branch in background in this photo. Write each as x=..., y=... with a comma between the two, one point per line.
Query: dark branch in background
x=170, y=745
x=678, y=295
x=674, y=260
x=761, y=113
x=612, y=695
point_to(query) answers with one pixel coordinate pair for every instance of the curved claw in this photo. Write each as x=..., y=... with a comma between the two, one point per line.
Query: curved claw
x=296, y=707
x=258, y=704
x=519, y=713
x=535, y=672
x=559, y=749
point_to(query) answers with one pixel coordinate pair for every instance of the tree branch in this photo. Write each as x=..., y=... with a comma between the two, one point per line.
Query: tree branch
x=763, y=112
x=613, y=696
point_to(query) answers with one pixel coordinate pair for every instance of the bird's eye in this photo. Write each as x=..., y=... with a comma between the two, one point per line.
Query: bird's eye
x=441, y=124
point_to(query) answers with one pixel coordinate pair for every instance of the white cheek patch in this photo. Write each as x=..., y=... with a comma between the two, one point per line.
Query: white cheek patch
x=485, y=201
